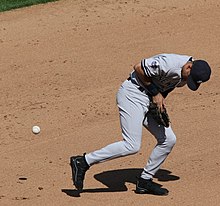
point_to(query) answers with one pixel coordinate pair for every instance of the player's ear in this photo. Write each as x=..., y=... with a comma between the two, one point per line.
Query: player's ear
x=189, y=66
x=186, y=70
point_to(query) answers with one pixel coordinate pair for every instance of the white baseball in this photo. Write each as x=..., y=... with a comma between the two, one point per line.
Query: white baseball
x=36, y=129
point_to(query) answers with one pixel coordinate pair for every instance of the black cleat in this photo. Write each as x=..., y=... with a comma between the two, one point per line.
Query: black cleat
x=149, y=187
x=79, y=167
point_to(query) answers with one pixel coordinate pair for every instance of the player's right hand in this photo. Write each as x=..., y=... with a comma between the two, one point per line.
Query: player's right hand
x=159, y=101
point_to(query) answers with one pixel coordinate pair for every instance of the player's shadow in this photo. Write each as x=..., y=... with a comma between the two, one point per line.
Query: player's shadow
x=115, y=180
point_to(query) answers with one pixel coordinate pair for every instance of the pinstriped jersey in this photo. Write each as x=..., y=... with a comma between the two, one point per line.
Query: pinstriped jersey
x=164, y=70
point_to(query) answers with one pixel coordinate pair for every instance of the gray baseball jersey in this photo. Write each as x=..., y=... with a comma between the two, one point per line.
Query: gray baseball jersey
x=164, y=70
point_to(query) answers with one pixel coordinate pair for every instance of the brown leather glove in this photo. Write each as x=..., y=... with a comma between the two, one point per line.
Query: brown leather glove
x=162, y=118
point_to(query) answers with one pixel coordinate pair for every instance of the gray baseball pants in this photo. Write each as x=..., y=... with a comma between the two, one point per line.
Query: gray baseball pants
x=133, y=107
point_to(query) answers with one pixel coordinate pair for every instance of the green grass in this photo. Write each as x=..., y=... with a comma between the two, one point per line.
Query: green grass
x=6, y=5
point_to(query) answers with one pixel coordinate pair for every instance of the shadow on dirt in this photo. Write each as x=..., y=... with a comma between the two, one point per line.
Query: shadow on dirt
x=115, y=180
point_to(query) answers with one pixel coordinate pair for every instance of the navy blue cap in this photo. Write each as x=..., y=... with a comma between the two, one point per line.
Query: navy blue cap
x=199, y=73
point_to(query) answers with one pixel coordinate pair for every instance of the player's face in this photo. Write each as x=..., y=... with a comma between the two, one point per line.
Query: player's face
x=186, y=70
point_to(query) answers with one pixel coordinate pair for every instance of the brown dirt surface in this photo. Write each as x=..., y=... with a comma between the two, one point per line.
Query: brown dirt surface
x=61, y=65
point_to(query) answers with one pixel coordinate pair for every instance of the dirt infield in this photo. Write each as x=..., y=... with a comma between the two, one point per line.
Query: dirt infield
x=61, y=66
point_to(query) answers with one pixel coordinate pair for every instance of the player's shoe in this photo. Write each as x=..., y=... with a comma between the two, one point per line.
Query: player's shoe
x=79, y=167
x=149, y=187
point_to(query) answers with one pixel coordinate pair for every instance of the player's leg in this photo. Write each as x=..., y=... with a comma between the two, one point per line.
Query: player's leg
x=132, y=112
x=166, y=139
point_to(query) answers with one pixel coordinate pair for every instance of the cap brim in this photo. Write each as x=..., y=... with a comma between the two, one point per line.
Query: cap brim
x=192, y=84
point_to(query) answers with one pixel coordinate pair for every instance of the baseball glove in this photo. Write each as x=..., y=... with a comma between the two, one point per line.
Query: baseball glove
x=162, y=118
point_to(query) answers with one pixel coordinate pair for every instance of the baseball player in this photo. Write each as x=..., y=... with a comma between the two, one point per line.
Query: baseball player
x=150, y=82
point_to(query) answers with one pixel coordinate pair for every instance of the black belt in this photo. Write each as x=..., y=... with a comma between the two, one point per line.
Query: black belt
x=142, y=89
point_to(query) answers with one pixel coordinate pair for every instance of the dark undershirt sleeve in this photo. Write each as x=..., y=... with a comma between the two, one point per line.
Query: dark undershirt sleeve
x=164, y=94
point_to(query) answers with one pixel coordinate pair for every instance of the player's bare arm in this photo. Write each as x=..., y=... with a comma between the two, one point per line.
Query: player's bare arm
x=157, y=99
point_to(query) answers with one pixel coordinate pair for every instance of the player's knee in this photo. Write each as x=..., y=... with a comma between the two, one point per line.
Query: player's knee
x=171, y=140
x=133, y=147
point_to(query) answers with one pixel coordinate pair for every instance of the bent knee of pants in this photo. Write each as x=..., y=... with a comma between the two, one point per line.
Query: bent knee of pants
x=167, y=142
x=132, y=147
x=170, y=141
